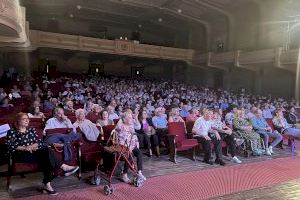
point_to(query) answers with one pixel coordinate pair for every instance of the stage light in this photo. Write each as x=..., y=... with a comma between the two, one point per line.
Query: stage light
x=179, y=10
x=71, y=15
x=140, y=25
x=78, y=7
x=160, y=19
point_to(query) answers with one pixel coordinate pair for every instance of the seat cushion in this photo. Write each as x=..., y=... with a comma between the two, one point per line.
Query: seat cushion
x=186, y=144
x=25, y=167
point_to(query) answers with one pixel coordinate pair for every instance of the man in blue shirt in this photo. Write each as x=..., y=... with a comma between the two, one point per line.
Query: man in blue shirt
x=261, y=126
x=184, y=111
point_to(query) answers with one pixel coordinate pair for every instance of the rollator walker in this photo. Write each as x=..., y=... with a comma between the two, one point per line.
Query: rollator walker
x=120, y=153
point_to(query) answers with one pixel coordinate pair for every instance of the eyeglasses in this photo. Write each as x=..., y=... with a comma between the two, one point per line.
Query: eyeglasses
x=24, y=118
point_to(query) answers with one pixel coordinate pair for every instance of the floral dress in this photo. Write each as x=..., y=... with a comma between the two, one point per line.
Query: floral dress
x=247, y=135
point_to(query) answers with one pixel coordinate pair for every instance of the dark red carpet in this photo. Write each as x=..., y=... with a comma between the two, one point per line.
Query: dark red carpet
x=197, y=185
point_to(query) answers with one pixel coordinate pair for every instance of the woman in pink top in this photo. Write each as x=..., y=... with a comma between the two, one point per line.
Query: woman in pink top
x=126, y=136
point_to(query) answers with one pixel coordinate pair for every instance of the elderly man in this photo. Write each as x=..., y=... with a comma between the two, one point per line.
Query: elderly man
x=261, y=126
x=206, y=135
x=59, y=120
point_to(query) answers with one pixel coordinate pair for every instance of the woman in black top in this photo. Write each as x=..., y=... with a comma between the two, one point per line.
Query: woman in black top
x=25, y=147
x=147, y=135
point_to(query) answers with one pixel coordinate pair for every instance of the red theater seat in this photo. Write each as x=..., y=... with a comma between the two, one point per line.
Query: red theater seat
x=178, y=140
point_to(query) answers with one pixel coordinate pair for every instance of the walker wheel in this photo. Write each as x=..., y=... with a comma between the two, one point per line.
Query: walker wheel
x=138, y=182
x=108, y=190
x=97, y=180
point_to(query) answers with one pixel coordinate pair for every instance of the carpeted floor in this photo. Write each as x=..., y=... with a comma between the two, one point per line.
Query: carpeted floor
x=196, y=185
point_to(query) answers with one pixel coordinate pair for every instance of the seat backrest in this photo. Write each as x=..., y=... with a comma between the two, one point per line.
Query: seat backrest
x=59, y=130
x=189, y=126
x=93, y=117
x=107, y=131
x=116, y=121
x=270, y=123
x=178, y=129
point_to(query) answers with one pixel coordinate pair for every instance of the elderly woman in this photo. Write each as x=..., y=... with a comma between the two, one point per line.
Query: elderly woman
x=36, y=113
x=104, y=121
x=147, y=134
x=174, y=116
x=126, y=136
x=283, y=126
x=88, y=128
x=26, y=147
x=245, y=129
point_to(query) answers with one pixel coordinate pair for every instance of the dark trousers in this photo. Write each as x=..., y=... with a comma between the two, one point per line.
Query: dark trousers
x=139, y=160
x=148, y=141
x=45, y=159
x=206, y=144
x=162, y=135
x=230, y=141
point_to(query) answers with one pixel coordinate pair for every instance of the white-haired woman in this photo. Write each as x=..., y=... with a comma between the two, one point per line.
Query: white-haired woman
x=88, y=128
x=126, y=135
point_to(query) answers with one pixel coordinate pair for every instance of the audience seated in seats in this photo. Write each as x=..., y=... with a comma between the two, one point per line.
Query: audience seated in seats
x=119, y=110
x=6, y=103
x=67, y=92
x=27, y=148
x=69, y=107
x=126, y=135
x=88, y=106
x=3, y=94
x=206, y=135
x=59, y=120
x=160, y=125
x=230, y=116
x=261, y=126
x=36, y=113
x=226, y=133
x=267, y=112
x=15, y=92
x=292, y=117
x=194, y=115
x=184, y=112
x=147, y=134
x=251, y=113
x=245, y=129
x=174, y=116
x=50, y=104
x=282, y=126
x=95, y=114
x=104, y=121
x=88, y=128
x=111, y=113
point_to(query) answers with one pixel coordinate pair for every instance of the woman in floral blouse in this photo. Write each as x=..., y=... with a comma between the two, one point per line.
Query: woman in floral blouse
x=244, y=128
x=25, y=147
x=126, y=136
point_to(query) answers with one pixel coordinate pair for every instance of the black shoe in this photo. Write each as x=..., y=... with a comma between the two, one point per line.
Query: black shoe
x=52, y=193
x=220, y=162
x=208, y=162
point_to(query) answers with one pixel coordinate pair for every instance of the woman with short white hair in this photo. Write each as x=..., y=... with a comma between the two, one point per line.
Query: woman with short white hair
x=126, y=135
x=88, y=128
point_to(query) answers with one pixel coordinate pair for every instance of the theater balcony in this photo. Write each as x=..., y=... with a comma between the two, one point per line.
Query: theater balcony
x=13, y=26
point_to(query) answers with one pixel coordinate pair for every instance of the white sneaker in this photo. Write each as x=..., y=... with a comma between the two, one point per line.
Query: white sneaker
x=125, y=178
x=271, y=149
x=268, y=153
x=141, y=176
x=236, y=160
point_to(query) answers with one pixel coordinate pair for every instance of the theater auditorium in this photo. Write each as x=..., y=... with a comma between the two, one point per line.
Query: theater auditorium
x=150, y=99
